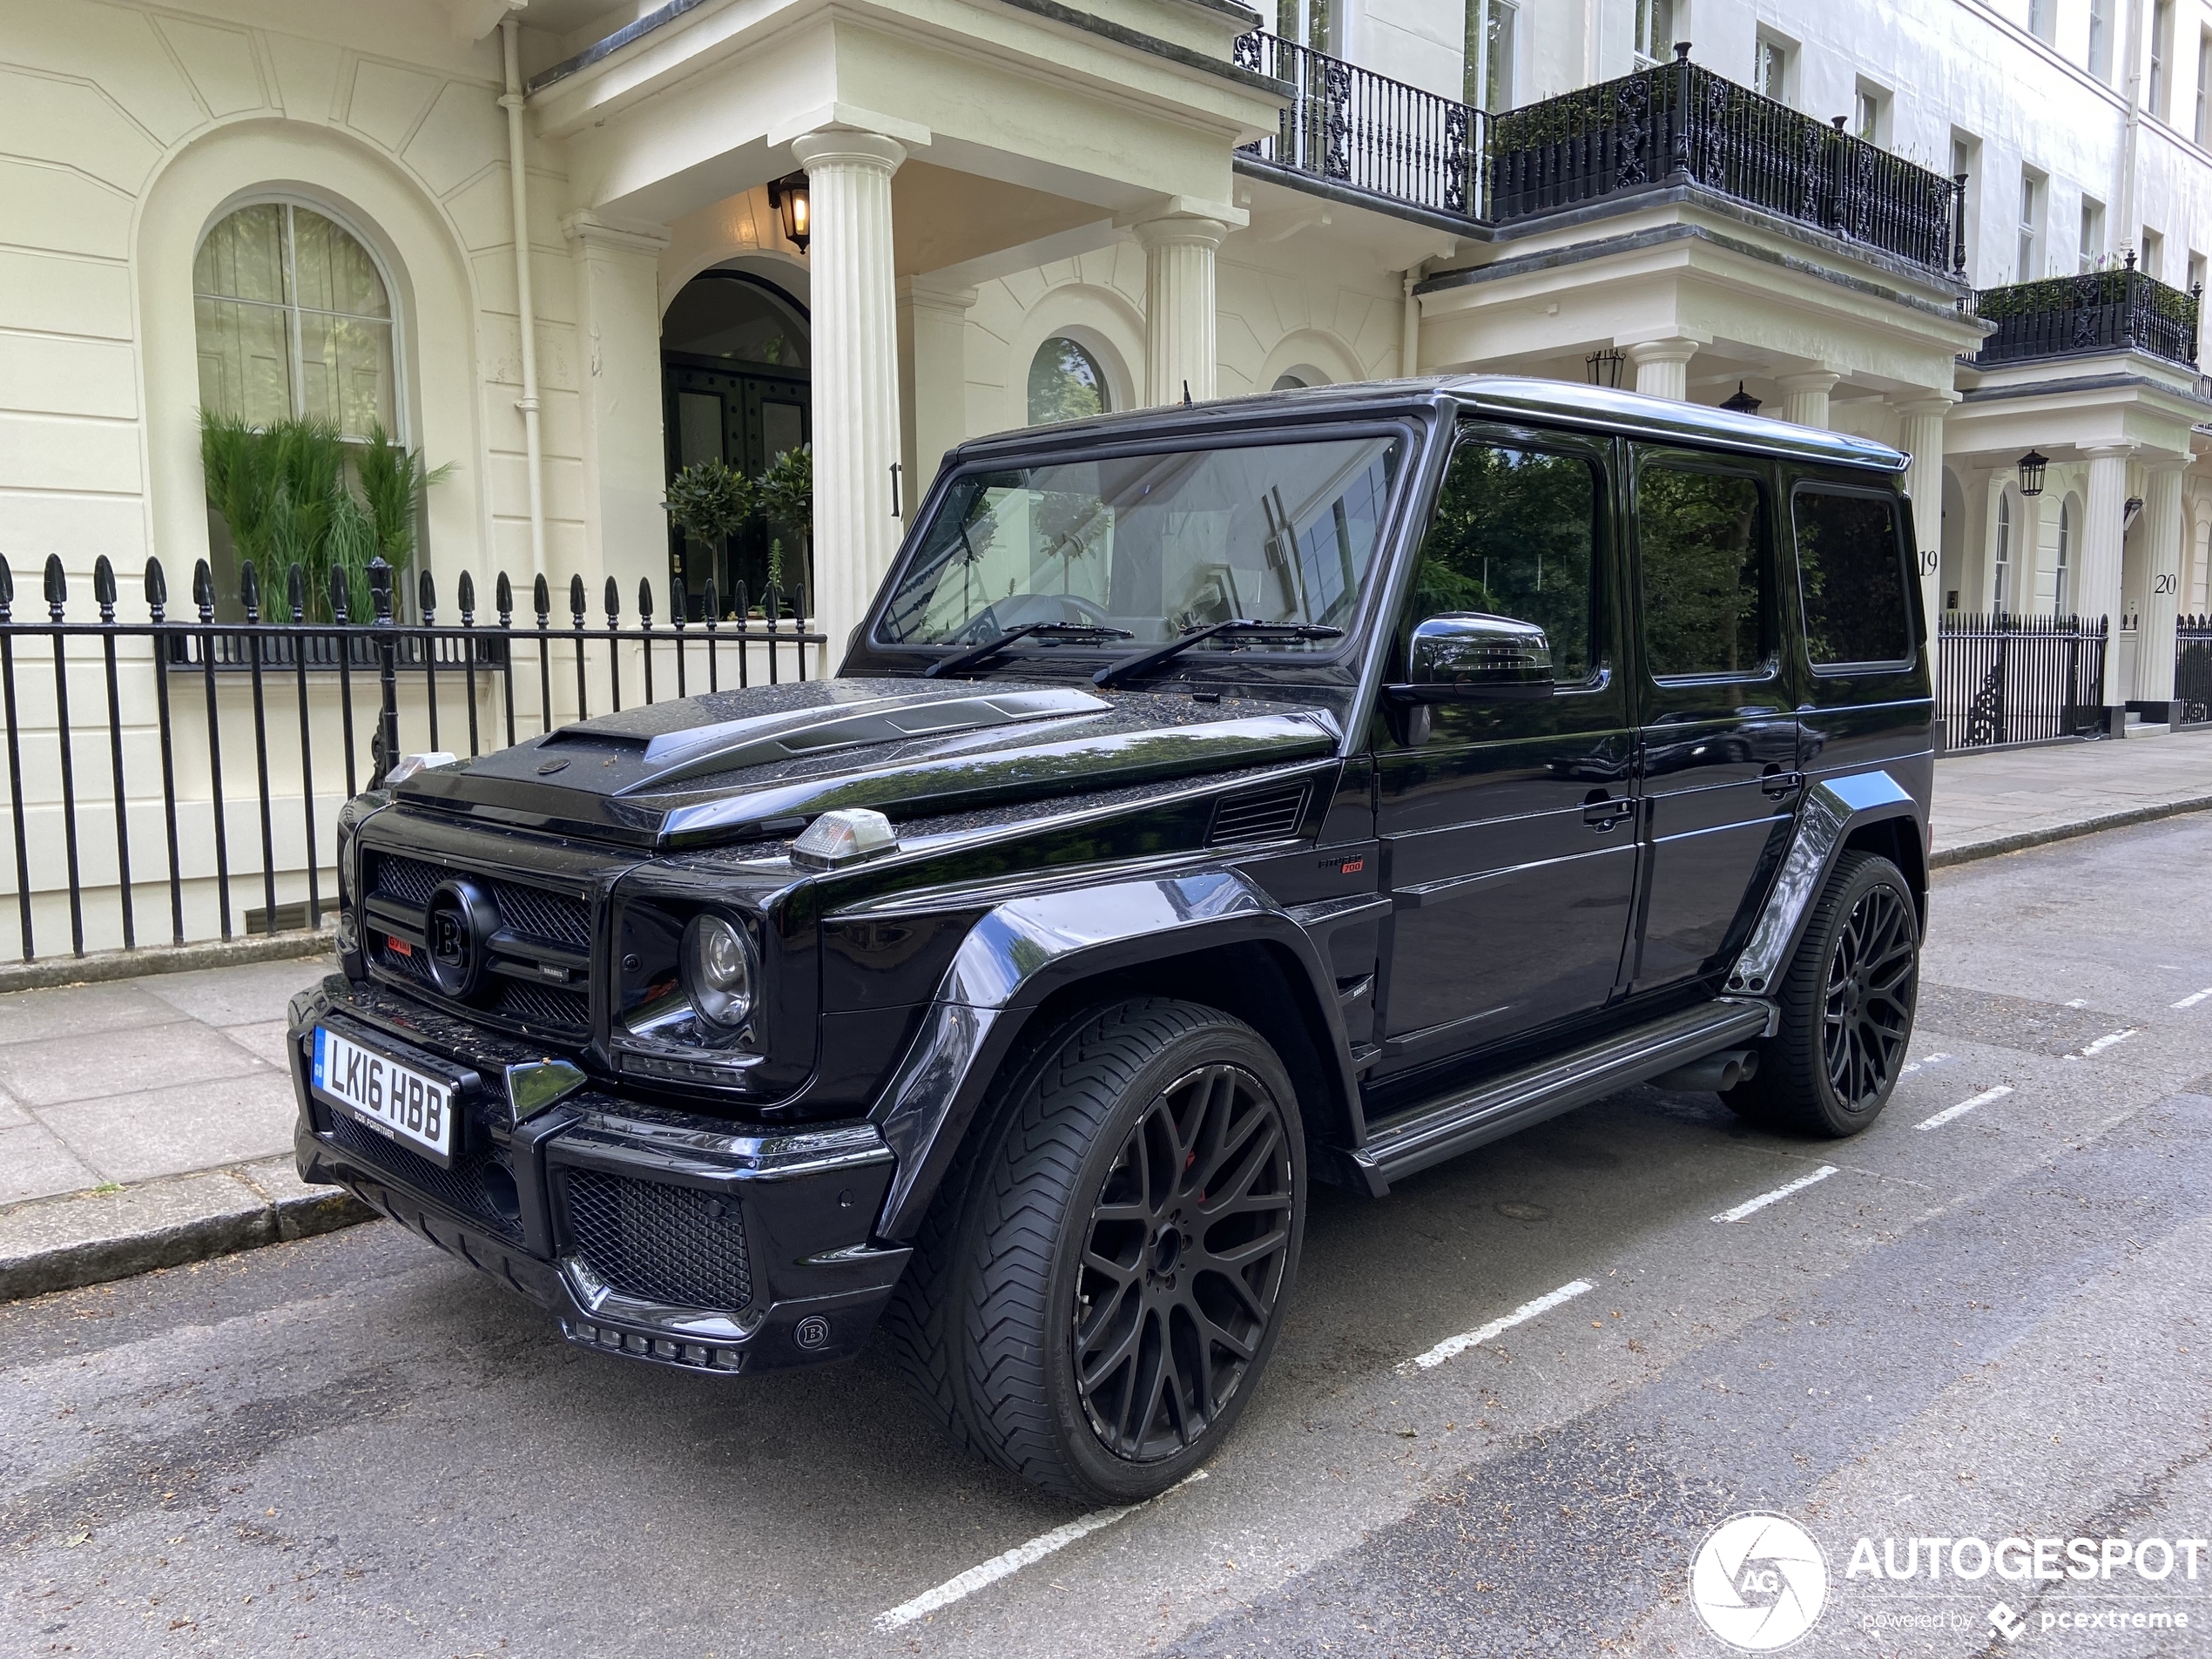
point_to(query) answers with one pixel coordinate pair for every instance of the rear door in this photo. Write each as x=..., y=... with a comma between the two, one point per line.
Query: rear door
x=1718, y=735
x=1509, y=826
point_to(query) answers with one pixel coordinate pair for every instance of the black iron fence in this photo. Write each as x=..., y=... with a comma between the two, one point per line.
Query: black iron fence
x=2192, y=668
x=2003, y=679
x=1674, y=123
x=126, y=740
x=2097, y=311
x=1367, y=132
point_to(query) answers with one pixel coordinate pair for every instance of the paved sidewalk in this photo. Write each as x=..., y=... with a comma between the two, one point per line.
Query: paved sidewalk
x=148, y=1121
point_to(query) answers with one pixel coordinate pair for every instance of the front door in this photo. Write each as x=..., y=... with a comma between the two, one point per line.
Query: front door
x=1509, y=826
x=1717, y=751
x=745, y=418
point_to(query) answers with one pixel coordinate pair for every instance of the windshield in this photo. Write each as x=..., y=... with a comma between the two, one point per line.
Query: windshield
x=1151, y=546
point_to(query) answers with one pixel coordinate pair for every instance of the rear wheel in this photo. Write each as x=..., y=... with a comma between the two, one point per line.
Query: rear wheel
x=1124, y=1250
x=1846, y=1006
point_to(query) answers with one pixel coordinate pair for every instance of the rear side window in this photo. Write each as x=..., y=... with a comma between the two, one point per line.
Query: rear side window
x=1851, y=572
x=1700, y=539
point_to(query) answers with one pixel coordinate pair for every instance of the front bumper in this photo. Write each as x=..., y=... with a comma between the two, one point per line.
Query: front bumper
x=662, y=1235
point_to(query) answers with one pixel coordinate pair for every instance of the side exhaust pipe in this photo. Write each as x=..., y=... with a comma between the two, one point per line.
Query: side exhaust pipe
x=1716, y=1072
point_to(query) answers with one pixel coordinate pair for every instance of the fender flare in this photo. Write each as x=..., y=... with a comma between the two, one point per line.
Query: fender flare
x=1834, y=808
x=1023, y=951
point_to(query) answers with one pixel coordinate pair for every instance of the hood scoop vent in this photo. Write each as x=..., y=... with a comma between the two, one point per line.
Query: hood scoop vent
x=1257, y=815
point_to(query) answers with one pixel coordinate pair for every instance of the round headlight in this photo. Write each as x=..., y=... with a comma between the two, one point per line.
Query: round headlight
x=719, y=972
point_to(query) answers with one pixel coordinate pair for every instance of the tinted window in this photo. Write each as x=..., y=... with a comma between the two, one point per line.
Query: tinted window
x=1512, y=536
x=1701, y=538
x=1851, y=568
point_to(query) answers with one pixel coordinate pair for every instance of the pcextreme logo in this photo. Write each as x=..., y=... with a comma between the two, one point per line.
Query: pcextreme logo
x=1758, y=1582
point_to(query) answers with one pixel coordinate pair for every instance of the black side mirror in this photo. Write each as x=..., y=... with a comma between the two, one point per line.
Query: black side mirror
x=1470, y=657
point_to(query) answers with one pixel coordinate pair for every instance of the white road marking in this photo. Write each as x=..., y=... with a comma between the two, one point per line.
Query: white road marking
x=2102, y=1043
x=1014, y=1561
x=1925, y=1060
x=1474, y=1339
x=2079, y=1002
x=1779, y=1193
x=2194, y=998
x=1964, y=1106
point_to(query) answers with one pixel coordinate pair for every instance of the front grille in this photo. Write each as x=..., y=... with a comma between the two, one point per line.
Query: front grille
x=1257, y=815
x=542, y=1005
x=676, y=1245
x=478, y=1186
x=557, y=920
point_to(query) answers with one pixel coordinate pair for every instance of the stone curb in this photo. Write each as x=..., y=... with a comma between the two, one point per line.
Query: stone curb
x=162, y=959
x=89, y=1238
x=1997, y=846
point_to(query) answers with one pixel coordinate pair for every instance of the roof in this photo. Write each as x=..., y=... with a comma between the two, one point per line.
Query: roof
x=1506, y=397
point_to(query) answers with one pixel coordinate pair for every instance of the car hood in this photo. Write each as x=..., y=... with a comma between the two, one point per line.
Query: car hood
x=737, y=766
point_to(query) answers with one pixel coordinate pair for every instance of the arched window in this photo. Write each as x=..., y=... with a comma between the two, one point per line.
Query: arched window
x=2002, y=585
x=1288, y=383
x=1065, y=383
x=2063, y=571
x=294, y=319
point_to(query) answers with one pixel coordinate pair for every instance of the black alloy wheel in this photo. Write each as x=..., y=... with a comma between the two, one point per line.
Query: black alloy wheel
x=1093, y=1297
x=1184, y=1260
x=1845, y=1007
x=1866, y=1017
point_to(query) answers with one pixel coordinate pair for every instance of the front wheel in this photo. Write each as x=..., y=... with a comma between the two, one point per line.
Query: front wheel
x=1126, y=1252
x=1846, y=1006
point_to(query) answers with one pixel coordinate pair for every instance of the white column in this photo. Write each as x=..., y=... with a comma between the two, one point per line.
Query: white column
x=2027, y=553
x=1922, y=420
x=933, y=379
x=1409, y=337
x=626, y=529
x=1805, y=401
x=855, y=375
x=2104, y=516
x=1179, y=346
x=1662, y=366
x=2162, y=557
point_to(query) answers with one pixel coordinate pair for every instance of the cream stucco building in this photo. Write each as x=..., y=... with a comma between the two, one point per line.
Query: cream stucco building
x=548, y=243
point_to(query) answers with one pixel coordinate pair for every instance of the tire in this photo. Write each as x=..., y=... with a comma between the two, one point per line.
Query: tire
x=1847, y=1006
x=1079, y=1310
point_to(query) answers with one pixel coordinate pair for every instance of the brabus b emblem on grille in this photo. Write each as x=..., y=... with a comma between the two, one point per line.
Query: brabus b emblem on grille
x=457, y=928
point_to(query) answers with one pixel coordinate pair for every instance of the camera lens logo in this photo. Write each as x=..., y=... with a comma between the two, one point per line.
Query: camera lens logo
x=1758, y=1582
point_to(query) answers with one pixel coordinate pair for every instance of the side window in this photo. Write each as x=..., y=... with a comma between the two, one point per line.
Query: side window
x=1851, y=572
x=1514, y=535
x=1700, y=539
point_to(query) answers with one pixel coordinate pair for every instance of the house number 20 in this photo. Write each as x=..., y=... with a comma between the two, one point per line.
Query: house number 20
x=2166, y=582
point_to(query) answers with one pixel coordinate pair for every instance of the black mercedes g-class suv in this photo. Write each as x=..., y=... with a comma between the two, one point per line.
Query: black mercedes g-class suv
x=1215, y=801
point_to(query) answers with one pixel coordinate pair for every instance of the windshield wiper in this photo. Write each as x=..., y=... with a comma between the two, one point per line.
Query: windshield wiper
x=1114, y=673
x=976, y=655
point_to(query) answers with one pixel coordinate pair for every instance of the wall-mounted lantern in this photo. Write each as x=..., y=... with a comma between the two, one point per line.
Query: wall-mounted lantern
x=790, y=196
x=2031, y=469
x=1743, y=402
x=1604, y=368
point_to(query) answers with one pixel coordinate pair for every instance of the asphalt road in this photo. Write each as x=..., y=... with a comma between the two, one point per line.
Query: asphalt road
x=1986, y=1328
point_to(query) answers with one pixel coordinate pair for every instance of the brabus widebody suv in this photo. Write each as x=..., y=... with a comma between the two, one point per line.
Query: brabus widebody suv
x=1310, y=787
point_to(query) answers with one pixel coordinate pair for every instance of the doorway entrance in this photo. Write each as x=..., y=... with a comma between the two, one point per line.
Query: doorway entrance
x=735, y=355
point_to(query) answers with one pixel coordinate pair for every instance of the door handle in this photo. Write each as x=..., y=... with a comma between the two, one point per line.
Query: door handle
x=1603, y=812
x=1778, y=784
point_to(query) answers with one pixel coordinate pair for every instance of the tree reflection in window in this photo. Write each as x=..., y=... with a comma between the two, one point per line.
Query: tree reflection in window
x=1065, y=383
x=1701, y=542
x=1513, y=536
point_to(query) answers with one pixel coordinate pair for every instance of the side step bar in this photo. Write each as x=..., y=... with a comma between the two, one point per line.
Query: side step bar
x=1467, y=1118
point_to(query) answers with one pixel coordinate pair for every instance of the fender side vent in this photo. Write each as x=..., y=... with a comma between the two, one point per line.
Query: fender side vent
x=1257, y=815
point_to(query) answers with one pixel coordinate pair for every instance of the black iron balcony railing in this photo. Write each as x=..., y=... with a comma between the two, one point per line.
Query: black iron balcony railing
x=1363, y=130
x=1672, y=124
x=2115, y=310
x=1680, y=124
